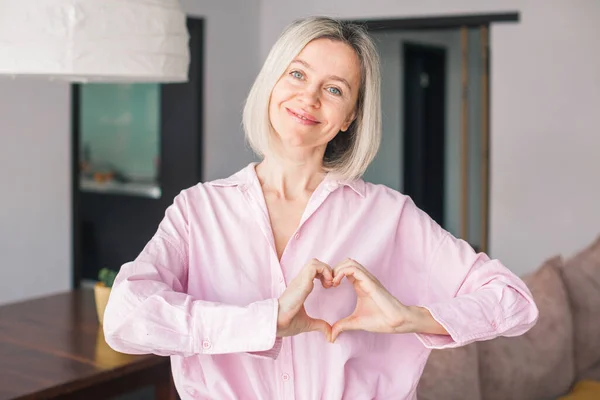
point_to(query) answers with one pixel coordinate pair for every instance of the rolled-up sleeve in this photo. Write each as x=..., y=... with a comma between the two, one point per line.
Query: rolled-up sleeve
x=472, y=296
x=150, y=312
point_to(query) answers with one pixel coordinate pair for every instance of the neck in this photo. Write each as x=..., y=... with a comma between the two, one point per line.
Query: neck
x=290, y=179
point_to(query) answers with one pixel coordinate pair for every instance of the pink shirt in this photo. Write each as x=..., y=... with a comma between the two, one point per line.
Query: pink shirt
x=204, y=291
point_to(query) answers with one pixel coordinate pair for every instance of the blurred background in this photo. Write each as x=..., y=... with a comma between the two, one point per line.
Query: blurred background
x=490, y=122
x=544, y=93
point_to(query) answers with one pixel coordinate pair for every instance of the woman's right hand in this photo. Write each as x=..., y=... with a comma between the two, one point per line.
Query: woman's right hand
x=292, y=318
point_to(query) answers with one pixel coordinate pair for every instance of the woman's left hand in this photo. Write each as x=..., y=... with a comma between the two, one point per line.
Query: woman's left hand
x=376, y=309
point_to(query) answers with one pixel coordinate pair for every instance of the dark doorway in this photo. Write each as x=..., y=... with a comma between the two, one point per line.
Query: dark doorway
x=424, y=127
x=110, y=229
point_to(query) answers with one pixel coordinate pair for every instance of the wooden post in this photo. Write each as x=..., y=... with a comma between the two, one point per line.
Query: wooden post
x=464, y=164
x=485, y=138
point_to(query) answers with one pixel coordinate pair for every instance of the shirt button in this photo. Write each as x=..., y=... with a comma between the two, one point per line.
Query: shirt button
x=206, y=344
x=285, y=377
x=297, y=236
x=281, y=279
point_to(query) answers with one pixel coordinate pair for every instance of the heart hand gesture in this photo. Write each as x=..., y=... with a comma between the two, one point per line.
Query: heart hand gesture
x=376, y=309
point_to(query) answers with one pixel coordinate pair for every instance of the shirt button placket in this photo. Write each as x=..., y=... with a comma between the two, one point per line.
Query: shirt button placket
x=287, y=370
x=285, y=365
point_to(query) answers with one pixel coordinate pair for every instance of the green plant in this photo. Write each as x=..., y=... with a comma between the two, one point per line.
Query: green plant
x=107, y=276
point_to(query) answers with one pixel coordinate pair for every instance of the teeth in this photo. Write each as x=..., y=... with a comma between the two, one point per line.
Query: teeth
x=301, y=117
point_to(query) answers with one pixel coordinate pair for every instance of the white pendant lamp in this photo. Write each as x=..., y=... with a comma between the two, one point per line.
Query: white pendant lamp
x=94, y=40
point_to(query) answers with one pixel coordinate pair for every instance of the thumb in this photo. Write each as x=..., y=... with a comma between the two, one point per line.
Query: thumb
x=344, y=324
x=321, y=326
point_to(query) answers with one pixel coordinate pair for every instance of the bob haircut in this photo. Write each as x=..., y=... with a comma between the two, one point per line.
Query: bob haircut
x=349, y=153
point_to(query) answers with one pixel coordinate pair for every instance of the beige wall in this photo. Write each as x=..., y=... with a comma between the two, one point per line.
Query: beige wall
x=35, y=200
x=545, y=97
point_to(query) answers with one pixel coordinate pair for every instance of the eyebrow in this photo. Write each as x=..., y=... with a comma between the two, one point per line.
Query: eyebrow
x=332, y=77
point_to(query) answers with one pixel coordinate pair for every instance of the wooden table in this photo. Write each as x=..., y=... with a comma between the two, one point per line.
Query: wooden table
x=53, y=347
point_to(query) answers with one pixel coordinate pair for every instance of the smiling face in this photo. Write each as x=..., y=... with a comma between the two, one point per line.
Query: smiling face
x=316, y=97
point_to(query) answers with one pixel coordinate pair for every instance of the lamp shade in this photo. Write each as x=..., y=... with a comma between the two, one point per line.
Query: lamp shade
x=94, y=40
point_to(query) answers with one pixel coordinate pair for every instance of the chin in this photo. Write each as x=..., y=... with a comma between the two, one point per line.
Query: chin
x=294, y=139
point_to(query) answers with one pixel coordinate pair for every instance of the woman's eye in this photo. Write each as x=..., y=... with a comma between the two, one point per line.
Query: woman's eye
x=297, y=74
x=334, y=91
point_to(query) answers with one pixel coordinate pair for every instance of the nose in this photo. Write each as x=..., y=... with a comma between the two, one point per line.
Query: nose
x=311, y=96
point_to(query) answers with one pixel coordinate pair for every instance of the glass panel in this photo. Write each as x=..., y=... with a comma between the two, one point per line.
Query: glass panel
x=474, y=104
x=120, y=138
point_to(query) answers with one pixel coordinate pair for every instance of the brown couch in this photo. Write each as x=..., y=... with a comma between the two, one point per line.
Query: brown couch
x=562, y=349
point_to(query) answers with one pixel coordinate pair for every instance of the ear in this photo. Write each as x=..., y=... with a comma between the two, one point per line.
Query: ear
x=349, y=121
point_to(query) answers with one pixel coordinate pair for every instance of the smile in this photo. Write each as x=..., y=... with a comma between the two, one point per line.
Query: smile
x=303, y=118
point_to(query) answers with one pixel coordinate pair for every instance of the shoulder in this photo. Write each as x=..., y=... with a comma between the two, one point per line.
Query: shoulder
x=391, y=201
x=237, y=180
x=383, y=195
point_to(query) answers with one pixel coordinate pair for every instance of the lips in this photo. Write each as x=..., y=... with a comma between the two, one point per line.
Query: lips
x=303, y=117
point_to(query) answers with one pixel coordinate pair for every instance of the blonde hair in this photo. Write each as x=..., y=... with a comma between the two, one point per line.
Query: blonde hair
x=347, y=155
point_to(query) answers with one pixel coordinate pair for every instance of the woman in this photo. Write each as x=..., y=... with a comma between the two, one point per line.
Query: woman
x=226, y=286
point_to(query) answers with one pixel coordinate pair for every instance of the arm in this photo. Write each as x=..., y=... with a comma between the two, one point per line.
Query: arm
x=466, y=295
x=150, y=312
x=463, y=296
x=420, y=320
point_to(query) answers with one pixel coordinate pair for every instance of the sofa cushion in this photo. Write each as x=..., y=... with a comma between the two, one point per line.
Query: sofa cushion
x=451, y=374
x=581, y=274
x=540, y=363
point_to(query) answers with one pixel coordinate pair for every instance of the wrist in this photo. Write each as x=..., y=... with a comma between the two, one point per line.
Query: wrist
x=410, y=320
x=284, y=319
x=420, y=320
x=279, y=326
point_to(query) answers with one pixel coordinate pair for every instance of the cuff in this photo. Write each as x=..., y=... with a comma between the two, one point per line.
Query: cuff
x=463, y=325
x=272, y=353
x=223, y=329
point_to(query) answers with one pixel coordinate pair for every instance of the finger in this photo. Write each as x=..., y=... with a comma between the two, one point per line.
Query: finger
x=344, y=264
x=350, y=271
x=326, y=275
x=322, y=271
x=313, y=267
x=325, y=282
x=321, y=326
x=336, y=271
x=303, y=284
x=345, y=324
x=307, y=275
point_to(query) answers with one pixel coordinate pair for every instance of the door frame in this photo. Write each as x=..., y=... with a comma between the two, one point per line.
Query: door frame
x=457, y=21
x=453, y=21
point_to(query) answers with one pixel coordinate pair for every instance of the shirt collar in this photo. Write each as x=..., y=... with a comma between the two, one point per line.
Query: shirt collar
x=247, y=176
